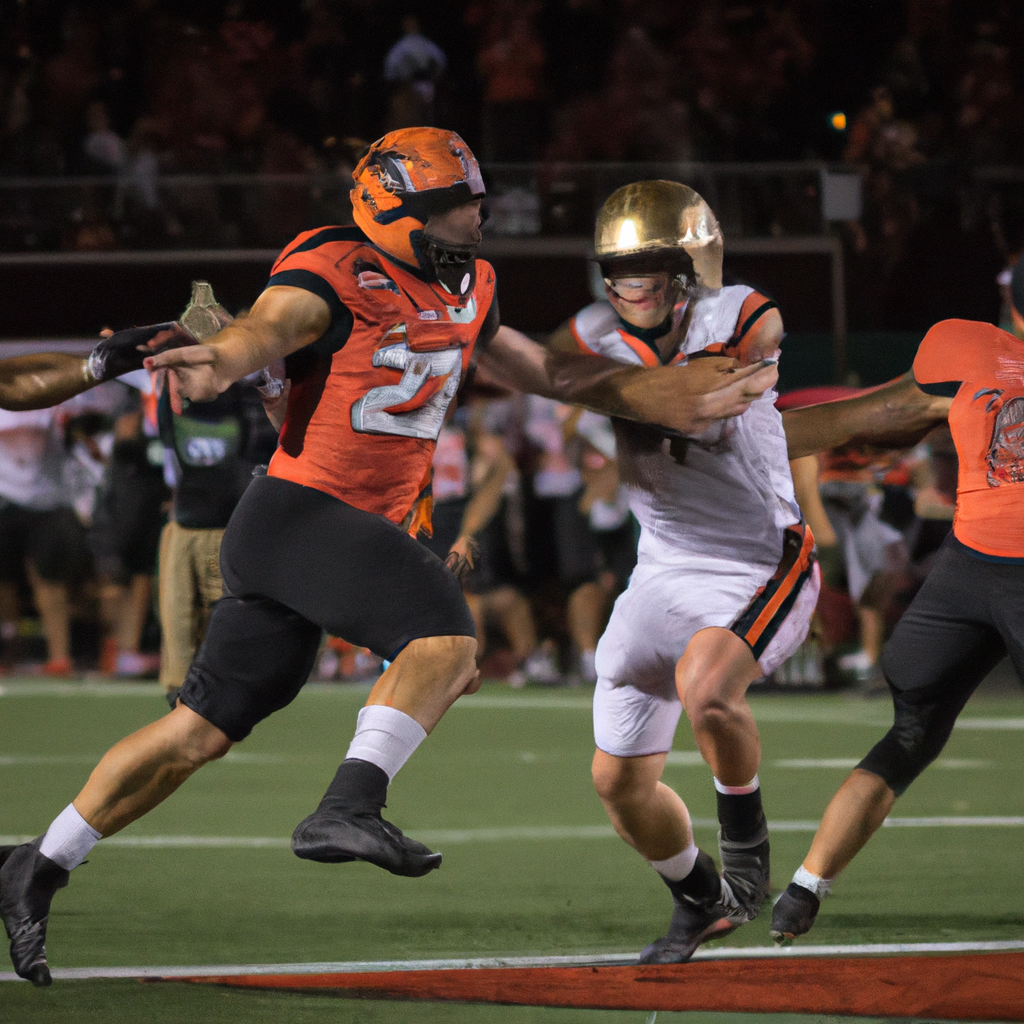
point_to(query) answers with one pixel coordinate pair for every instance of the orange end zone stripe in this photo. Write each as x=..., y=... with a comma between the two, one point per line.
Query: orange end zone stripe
x=982, y=987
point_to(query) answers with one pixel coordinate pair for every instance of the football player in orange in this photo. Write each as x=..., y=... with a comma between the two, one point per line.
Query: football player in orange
x=379, y=323
x=968, y=615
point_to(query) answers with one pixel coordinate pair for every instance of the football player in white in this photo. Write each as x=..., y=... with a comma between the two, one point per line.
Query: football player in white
x=726, y=579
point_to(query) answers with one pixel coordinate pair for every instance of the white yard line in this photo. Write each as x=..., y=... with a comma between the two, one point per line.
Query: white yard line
x=852, y=712
x=947, y=763
x=675, y=759
x=542, y=833
x=608, y=959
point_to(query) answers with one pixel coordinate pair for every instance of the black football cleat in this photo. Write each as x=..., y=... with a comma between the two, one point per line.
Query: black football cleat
x=691, y=925
x=28, y=881
x=746, y=873
x=699, y=913
x=793, y=914
x=333, y=835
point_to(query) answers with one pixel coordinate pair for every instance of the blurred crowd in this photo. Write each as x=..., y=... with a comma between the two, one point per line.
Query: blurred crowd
x=259, y=84
x=916, y=94
x=112, y=509
x=919, y=97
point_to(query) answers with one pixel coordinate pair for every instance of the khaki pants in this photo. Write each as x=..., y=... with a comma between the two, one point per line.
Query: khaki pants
x=190, y=582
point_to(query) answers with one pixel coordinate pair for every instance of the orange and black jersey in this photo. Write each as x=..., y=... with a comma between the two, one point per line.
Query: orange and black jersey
x=981, y=368
x=370, y=395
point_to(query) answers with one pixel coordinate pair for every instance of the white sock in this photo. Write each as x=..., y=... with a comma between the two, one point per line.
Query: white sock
x=678, y=867
x=385, y=737
x=821, y=887
x=69, y=839
x=754, y=783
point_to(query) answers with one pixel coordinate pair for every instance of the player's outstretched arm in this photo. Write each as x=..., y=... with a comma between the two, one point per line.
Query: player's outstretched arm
x=43, y=379
x=684, y=398
x=282, y=320
x=896, y=415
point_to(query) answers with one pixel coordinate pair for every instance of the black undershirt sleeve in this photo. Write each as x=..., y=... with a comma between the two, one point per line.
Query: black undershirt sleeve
x=940, y=389
x=341, y=316
x=490, y=325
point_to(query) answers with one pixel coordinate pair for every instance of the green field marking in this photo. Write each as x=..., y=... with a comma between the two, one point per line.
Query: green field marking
x=519, y=833
x=531, y=866
x=824, y=708
x=684, y=759
x=675, y=758
x=947, y=763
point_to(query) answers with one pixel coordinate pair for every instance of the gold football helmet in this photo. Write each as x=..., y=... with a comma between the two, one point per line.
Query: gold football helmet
x=650, y=219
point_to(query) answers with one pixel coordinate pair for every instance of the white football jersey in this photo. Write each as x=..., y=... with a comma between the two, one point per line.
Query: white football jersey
x=725, y=493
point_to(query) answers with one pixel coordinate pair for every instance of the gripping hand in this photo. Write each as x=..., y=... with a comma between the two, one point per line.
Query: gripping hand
x=124, y=351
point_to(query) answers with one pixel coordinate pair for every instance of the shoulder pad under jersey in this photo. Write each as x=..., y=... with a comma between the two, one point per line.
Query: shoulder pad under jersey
x=597, y=329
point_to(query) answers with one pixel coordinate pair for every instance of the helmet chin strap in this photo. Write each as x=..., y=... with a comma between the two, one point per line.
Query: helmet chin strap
x=454, y=264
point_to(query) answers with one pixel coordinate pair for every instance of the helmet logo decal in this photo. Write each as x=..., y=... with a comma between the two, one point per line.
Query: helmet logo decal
x=390, y=165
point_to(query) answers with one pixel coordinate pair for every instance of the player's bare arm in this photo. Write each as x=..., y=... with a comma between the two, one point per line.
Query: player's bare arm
x=491, y=469
x=282, y=320
x=40, y=380
x=896, y=415
x=684, y=398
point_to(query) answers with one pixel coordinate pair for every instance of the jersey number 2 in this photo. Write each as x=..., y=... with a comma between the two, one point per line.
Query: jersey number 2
x=416, y=405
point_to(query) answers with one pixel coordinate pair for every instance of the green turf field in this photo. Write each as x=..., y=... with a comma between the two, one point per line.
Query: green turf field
x=530, y=864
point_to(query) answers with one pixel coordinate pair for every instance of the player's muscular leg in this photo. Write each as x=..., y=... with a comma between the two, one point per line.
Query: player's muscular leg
x=712, y=679
x=405, y=703
x=147, y=767
x=644, y=811
x=427, y=677
x=852, y=817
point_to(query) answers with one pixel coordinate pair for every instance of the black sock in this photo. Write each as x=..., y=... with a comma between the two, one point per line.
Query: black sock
x=701, y=885
x=740, y=815
x=357, y=786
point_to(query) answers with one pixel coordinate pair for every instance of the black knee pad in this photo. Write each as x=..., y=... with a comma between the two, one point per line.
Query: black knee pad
x=922, y=723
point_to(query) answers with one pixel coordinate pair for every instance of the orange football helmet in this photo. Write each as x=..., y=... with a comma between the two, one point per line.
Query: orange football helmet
x=404, y=178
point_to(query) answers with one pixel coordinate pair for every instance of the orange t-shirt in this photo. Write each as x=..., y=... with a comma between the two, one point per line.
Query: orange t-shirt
x=982, y=369
x=368, y=398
